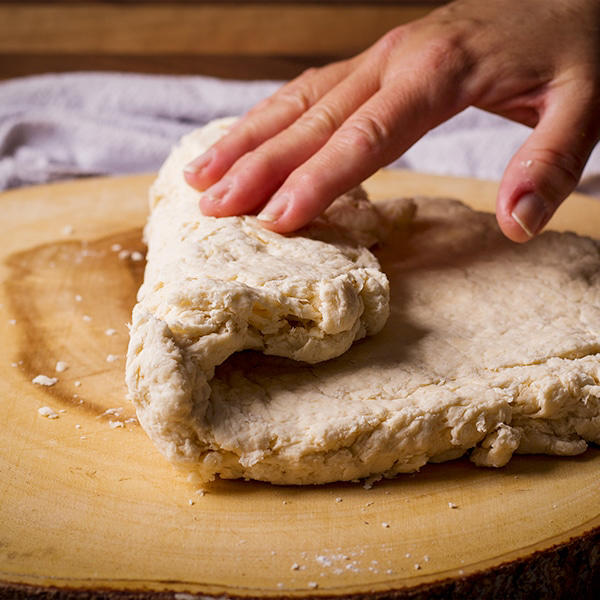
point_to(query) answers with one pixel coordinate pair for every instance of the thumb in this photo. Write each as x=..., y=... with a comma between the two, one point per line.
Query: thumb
x=547, y=167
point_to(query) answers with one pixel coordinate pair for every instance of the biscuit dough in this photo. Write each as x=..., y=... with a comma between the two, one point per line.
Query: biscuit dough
x=490, y=348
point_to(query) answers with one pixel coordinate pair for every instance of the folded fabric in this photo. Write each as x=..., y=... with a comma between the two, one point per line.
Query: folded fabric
x=59, y=126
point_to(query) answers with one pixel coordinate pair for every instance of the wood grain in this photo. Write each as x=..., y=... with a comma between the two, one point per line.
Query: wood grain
x=89, y=509
x=44, y=36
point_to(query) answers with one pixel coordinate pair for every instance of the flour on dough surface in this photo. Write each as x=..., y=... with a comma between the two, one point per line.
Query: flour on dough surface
x=490, y=347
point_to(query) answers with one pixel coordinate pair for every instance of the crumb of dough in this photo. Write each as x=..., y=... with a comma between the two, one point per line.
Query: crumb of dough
x=110, y=331
x=49, y=413
x=61, y=366
x=115, y=412
x=44, y=380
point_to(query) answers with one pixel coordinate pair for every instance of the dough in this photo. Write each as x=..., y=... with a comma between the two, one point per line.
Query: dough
x=490, y=348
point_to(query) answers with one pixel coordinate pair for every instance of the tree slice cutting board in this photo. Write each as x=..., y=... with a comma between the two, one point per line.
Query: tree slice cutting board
x=88, y=508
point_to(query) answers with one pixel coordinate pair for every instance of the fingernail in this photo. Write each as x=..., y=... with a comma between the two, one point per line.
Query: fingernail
x=274, y=209
x=217, y=192
x=198, y=164
x=530, y=213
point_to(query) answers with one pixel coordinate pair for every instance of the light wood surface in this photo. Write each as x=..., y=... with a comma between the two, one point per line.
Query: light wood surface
x=85, y=505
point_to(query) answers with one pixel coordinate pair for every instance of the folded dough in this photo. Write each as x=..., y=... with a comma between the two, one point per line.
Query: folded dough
x=490, y=347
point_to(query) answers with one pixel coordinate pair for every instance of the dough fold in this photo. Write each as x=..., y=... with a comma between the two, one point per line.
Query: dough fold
x=272, y=357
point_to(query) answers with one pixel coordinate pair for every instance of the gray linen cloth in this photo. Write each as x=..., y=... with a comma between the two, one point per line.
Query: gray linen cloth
x=59, y=126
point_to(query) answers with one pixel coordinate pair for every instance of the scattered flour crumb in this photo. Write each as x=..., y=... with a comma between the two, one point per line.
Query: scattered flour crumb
x=279, y=584
x=44, y=380
x=112, y=411
x=407, y=555
x=83, y=437
x=452, y=505
x=123, y=254
x=191, y=502
x=68, y=230
x=46, y=411
x=77, y=426
x=115, y=424
x=200, y=492
x=295, y=567
x=370, y=503
x=14, y=365
x=61, y=366
x=86, y=318
x=384, y=524
x=110, y=331
x=426, y=558
x=116, y=247
x=12, y=321
x=137, y=256
x=417, y=566
x=78, y=298
x=77, y=383
x=313, y=585
x=112, y=357
x=338, y=499
x=323, y=560
x=131, y=420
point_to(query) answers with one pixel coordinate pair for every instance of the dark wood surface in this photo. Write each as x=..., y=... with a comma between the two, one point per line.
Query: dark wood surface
x=242, y=39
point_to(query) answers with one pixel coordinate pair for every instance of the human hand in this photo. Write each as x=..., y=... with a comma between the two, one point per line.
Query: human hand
x=535, y=62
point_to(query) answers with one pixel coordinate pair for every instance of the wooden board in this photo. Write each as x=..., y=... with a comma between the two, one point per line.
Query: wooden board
x=242, y=39
x=87, y=504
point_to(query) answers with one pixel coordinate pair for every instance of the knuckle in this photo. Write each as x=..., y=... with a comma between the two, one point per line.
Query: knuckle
x=367, y=134
x=299, y=98
x=564, y=168
x=447, y=52
x=309, y=73
x=390, y=40
x=321, y=120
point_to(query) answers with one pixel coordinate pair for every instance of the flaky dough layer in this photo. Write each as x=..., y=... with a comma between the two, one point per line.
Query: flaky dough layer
x=242, y=363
